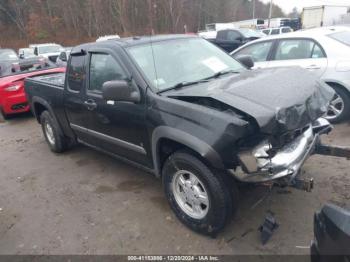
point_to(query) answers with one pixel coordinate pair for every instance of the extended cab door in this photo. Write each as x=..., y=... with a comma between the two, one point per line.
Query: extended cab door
x=75, y=97
x=302, y=52
x=115, y=126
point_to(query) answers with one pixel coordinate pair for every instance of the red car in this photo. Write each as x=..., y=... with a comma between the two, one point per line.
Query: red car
x=12, y=96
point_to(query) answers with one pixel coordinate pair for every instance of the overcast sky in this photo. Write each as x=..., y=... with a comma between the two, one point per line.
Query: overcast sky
x=287, y=5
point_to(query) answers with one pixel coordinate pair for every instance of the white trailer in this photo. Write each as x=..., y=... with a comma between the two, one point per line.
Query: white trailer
x=251, y=23
x=325, y=15
x=277, y=22
x=218, y=26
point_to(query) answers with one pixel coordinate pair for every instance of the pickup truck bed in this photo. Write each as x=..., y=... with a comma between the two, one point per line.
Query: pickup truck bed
x=56, y=80
x=48, y=90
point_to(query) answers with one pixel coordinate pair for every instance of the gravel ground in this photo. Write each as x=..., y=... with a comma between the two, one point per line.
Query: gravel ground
x=84, y=202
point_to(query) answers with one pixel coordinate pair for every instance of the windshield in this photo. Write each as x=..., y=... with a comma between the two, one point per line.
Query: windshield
x=248, y=33
x=49, y=49
x=343, y=37
x=181, y=60
x=8, y=55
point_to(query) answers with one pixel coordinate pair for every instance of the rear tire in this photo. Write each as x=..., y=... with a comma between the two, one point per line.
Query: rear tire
x=340, y=102
x=56, y=142
x=200, y=199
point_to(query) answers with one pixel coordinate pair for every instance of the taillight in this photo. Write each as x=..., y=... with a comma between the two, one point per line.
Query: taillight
x=13, y=88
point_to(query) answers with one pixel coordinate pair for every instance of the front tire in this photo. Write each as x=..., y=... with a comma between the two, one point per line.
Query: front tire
x=56, y=142
x=200, y=199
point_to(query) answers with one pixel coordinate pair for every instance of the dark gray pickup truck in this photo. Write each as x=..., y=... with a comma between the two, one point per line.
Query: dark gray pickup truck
x=184, y=110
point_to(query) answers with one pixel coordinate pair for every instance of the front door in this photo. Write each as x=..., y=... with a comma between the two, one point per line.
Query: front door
x=117, y=127
x=259, y=52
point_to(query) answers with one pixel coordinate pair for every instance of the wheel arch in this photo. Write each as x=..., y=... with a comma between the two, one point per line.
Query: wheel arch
x=339, y=84
x=178, y=139
x=39, y=105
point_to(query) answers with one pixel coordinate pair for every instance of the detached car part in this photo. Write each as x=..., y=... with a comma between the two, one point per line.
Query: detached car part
x=332, y=235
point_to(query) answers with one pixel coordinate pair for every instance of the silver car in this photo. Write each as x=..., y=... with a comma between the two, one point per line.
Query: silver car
x=323, y=51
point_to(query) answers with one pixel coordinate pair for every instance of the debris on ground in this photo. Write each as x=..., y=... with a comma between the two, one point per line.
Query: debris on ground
x=268, y=227
x=247, y=232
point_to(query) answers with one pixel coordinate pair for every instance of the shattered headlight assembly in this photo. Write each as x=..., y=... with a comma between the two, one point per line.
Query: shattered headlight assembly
x=257, y=158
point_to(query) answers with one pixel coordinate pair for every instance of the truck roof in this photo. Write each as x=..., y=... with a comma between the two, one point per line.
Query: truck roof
x=133, y=41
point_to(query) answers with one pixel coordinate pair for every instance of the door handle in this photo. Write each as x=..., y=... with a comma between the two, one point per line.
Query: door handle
x=313, y=67
x=90, y=104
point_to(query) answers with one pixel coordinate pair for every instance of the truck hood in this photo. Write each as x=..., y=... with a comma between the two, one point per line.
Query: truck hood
x=279, y=99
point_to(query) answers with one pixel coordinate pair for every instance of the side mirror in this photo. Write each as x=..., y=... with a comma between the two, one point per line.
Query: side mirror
x=246, y=60
x=21, y=56
x=120, y=90
x=63, y=57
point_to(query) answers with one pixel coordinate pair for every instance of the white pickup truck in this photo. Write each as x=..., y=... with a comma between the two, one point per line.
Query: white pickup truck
x=50, y=51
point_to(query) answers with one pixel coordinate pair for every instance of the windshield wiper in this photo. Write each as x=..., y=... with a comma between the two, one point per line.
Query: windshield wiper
x=221, y=73
x=183, y=84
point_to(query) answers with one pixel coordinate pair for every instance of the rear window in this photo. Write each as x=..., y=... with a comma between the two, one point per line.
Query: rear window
x=343, y=37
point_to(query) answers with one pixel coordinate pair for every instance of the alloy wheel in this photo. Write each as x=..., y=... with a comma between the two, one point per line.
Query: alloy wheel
x=190, y=194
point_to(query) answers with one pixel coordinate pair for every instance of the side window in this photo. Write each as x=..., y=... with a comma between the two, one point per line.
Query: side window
x=286, y=30
x=298, y=49
x=76, y=73
x=103, y=68
x=233, y=35
x=259, y=51
x=63, y=56
x=317, y=52
x=275, y=31
x=266, y=31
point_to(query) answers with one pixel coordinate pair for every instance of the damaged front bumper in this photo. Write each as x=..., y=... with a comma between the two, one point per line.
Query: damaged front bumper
x=258, y=166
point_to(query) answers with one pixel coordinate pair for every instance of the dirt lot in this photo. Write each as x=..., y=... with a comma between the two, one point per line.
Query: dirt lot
x=84, y=202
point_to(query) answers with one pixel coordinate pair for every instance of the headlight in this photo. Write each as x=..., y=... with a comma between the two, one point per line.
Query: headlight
x=13, y=88
x=256, y=158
